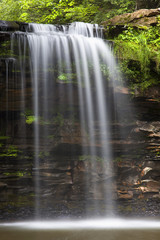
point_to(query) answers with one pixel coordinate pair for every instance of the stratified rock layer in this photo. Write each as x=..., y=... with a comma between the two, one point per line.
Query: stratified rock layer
x=142, y=17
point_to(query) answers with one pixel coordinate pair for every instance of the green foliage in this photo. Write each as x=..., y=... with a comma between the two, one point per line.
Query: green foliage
x=82, y=13
x=111, y=8
x=133, y=45
x=10, y=10
x=63, y=11
x=139, y=52
x=67, y=77
x=47, y=11
x=62, y=77
x=30, y=119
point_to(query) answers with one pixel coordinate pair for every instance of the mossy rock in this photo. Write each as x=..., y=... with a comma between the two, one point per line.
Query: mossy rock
x=142, y=18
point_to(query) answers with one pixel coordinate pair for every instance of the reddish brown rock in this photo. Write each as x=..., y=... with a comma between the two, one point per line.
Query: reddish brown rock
x=150, y=186
x=125, y=194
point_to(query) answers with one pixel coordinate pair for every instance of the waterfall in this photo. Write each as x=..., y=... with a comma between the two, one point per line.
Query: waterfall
x=72, y=72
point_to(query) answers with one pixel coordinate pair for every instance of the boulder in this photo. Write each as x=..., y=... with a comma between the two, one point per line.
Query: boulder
x=142, y=17
x=139, y=19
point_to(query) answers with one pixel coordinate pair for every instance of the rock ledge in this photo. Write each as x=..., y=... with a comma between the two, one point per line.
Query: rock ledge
x=142, y=17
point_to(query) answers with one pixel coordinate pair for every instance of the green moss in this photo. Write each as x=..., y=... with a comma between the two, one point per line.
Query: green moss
x=51, y=137
x=59, y=120
x=5, y=50
x=118, y=159
x=18, y=200
x=11, y=151
x=4, y=137
x=17, y=173
x=90, y=158
x=44, y=154
x=30, y=119
x=126, y=208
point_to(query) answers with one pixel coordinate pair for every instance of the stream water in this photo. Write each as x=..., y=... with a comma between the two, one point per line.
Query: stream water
x=110, y=229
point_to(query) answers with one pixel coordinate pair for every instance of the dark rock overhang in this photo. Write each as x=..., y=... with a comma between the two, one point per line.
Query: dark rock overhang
x=6, y=26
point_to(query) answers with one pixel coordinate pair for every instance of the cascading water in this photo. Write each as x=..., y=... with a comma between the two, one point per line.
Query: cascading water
x=68, y=72
x=60, y=119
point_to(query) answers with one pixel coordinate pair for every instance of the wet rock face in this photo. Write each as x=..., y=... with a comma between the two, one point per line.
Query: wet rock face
x=64, y=170
x=138, y=170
